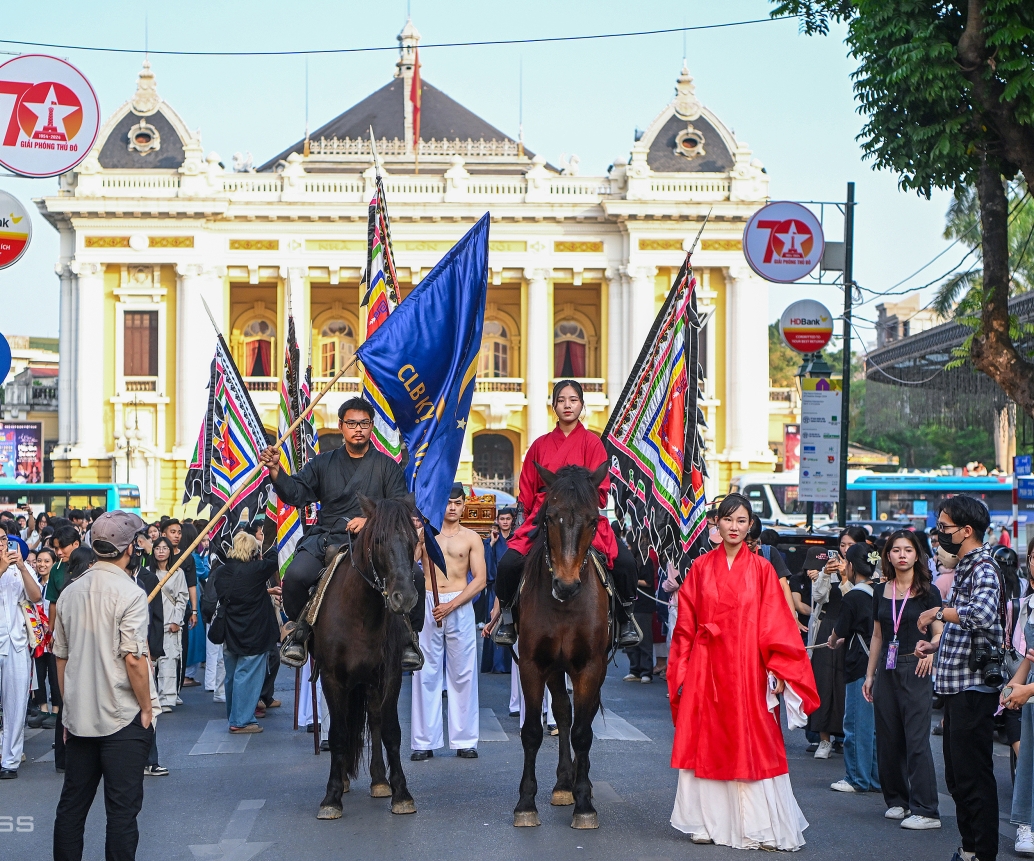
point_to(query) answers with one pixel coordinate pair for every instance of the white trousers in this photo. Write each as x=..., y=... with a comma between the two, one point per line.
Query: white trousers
x=15, y=678
x=517, y=694
x=305, y=703
x=168, y=669
x=215, y=670
x=451, y=649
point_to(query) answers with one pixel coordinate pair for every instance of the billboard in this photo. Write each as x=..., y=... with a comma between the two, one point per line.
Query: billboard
x=820, y=440
x=21, y=452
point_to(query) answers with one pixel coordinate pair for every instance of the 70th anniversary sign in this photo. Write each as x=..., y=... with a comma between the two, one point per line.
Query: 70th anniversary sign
x=49, y=115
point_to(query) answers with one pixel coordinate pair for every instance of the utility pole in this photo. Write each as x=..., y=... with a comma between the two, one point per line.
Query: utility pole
x=845, y=403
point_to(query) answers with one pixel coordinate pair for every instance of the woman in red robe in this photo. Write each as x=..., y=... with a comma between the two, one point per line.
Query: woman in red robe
x=734, y=648
x=569, y=444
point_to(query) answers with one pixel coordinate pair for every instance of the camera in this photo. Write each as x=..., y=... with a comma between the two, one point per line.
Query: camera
x=989, y=660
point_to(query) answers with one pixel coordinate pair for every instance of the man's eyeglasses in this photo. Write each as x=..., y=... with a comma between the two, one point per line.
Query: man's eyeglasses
x=352, y=424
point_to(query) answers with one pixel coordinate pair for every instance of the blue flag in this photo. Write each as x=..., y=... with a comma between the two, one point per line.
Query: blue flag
x=424, y=358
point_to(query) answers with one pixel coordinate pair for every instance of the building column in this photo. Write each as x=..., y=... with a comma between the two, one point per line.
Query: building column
x=67, y=392
x=195, y=347
x=90, y=349
x=296, y=288
x=538, y=343
x=617, y=325
x=641, y=310
x=746, y=368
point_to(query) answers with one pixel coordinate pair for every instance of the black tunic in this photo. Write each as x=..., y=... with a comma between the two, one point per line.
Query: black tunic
x=335, y=480
x=251, y=627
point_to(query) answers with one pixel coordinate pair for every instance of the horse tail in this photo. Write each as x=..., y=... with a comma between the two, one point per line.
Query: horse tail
x=356, y=731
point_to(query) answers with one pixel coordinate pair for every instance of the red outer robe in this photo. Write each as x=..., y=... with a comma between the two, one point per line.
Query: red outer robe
x=733, y=625
x=553, y=451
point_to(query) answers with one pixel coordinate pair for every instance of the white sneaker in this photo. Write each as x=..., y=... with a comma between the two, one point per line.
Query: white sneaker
x=896, y=813
x=1024, y=841
x=824, y=750
x=631, y=677
x=179, y=701
x=915, y=822
x=842, y=786
x=219, y=699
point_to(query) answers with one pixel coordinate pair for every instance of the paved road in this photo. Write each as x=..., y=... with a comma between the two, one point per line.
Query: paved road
x=260, y=802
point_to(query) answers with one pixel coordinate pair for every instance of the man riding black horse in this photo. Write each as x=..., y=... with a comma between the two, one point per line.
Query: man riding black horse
x=336, y=479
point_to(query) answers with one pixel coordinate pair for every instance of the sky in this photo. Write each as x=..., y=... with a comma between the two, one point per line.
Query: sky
x=787, y=95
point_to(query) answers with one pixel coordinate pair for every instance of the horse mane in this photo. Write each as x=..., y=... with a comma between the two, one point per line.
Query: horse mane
x=572, y=482
x=390, y=518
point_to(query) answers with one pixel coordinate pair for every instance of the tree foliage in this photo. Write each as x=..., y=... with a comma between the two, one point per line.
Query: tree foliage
x=947, y=92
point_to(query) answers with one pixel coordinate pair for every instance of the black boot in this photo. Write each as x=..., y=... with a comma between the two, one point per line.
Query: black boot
x=412, y=657
x=295, y=650
x=505, y=633
x=629, y=632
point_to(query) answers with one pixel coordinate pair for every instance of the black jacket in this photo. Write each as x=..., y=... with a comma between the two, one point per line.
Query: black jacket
x=335, y=479
x=251, y=627
x=148, y=580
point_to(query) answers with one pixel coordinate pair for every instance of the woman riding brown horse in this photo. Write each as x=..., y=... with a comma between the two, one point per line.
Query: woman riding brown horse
x=563, y=628
x=358, y=642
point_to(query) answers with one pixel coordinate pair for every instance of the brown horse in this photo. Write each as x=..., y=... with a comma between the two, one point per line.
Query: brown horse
x=357, y=643
x=563, y=628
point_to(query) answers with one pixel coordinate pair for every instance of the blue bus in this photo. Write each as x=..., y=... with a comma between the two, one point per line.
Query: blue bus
x=878, y=497
x=58, y=499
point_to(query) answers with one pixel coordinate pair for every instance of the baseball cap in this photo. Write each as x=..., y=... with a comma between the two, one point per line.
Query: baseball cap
x=816, y=559
x=116, y=528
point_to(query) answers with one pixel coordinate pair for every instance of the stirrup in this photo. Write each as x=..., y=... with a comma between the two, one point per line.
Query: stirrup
x=294, y=650
x=412, y=656
x=505, y=633
x=629, y=632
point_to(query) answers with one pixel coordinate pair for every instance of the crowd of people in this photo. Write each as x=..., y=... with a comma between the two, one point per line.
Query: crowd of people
x=860, y=647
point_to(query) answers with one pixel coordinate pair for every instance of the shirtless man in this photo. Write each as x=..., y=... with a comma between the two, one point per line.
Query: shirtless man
x=453, y=634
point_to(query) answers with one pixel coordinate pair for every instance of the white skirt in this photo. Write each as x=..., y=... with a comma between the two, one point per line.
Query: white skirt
x=758, y=814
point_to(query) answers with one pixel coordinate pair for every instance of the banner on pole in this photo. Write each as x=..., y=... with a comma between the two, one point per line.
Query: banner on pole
x=821, y=415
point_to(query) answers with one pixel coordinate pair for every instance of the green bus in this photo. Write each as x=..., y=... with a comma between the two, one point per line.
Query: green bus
x=58, y=499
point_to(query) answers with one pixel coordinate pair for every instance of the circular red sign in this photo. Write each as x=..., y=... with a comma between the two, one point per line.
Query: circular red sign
x=783, y=241
x=15, y=230
x=49, y=115
x=806, y=326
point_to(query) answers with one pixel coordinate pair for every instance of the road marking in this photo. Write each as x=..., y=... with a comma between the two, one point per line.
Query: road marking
x=491, y=729
x=216, y=739
x=31, y=733
x=47, y=757
x=233, y=845
x=603, y=791
x=611, y=726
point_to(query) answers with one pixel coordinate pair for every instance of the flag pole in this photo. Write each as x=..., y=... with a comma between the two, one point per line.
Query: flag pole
x=693, y=247
x=248, y=479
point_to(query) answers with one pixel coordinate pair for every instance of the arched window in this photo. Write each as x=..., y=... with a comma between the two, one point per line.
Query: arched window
x=259, y=336
x=337, y=346
x=495, y=350
x=569, y=344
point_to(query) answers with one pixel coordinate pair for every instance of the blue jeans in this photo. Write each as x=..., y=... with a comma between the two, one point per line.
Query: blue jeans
x=860, y=740
x=244, y=677
x=1023, y=787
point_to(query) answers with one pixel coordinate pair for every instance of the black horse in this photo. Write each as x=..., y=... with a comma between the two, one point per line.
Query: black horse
x=357, y=643
x=563, y=628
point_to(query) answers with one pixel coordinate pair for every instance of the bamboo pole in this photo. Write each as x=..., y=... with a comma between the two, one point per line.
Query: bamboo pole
x=247, y=480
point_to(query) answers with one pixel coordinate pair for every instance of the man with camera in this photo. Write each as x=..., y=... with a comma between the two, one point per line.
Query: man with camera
x=969, y=674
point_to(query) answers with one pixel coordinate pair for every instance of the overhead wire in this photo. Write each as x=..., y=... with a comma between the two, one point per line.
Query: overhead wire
x=425, y=46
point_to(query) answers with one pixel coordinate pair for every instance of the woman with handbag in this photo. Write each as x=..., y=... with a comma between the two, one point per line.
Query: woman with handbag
x=246, y=624
x=18, y=591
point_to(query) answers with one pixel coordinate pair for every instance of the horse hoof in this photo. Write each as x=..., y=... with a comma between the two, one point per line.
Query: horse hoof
x=585, y=821
x=346, y=788
x=328, y=812
x=403, y=807
x=380, y=790
x=526, y=819
x=562, y=798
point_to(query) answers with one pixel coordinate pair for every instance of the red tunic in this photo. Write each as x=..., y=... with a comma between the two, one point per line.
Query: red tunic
x=733, y=625
x=553, y=451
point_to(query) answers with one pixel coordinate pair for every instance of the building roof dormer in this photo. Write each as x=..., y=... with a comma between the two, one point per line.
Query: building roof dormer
x=144, y=133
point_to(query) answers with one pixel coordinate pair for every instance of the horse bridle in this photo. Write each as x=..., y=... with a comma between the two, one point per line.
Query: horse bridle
x=376, y=582
x=549, y=558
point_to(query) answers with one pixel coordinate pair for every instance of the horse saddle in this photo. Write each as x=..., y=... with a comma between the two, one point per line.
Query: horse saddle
x=333, y=557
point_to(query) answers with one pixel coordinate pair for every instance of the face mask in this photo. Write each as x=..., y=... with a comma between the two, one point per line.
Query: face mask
x=947, y=542
x=946, y=559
